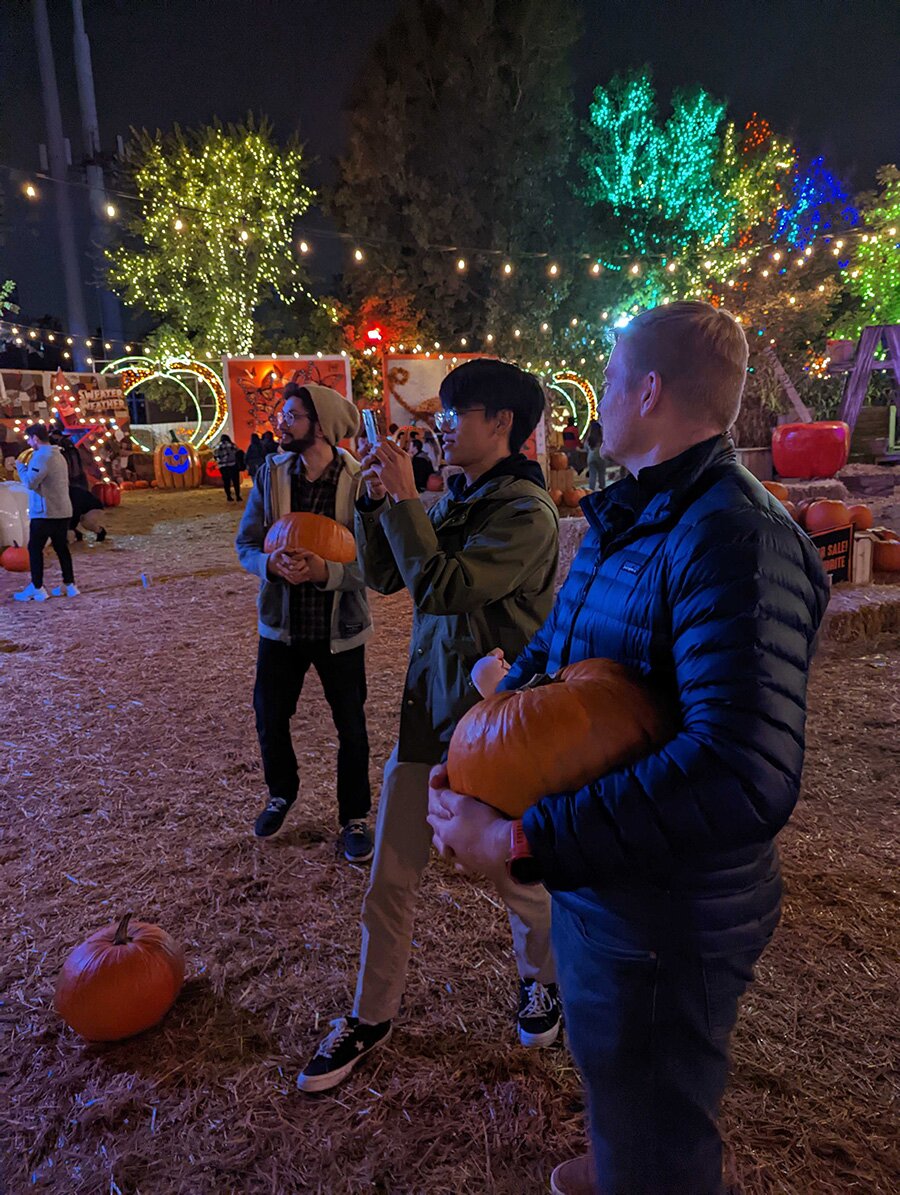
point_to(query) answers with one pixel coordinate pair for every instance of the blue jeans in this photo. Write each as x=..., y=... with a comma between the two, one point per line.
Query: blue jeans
x=649, y=1031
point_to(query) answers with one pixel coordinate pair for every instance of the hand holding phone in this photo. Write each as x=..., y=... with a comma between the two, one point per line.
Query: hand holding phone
x=371, y=427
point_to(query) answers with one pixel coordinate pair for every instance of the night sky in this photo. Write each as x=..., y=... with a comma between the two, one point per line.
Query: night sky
x=825, y=71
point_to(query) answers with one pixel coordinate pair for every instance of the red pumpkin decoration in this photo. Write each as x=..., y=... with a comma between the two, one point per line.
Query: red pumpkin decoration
x=313, y=533
x=122, y=980
x=886, y=556
x=108, y=493
x=824, y=514
x=777, y=490
x=144, y=485
x=573, y=497
x=592, y=717
x=810, y=449
x=15, y=559
x=860, y=516
x=559, y=460
x=435, y=483
x=126, y=486
x=557, y=496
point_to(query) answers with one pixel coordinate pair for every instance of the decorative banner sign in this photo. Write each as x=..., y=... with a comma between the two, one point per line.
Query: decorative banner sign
x=27, y=395
x=255, y=384
x=412, y=382
x=836, y=550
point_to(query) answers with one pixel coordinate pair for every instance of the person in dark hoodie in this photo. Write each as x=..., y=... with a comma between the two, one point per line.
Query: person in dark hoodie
x=664, y=873
x=480, y=567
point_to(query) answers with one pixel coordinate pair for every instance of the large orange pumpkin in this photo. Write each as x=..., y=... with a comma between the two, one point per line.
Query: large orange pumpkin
x=777, y=490
x=312, y=533
x=860, y=516
x=122, y=980
x=558, y=460
x=886, y=556
x=573, y=497
x=514, y=748
x=825, y=514
x=15, y=559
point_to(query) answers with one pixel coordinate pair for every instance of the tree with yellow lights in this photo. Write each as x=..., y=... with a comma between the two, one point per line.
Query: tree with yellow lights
x=210, y=238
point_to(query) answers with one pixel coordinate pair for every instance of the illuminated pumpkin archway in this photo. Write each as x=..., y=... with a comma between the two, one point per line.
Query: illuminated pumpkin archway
x=578, y=395
x=135, y=371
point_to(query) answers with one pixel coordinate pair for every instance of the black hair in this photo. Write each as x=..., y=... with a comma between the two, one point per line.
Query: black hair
x=594, y=436
x=497, y=386
x=223, y=439
x=38, y=431
x=392, y=428
x=254, y=439
x=295, y=390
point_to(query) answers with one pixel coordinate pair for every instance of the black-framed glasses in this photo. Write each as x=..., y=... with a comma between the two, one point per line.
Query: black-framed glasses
x=447, y=420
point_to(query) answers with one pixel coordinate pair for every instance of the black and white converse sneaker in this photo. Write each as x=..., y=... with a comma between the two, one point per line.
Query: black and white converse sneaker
x=347, y=1044
x=540, y=1013
x=356, y=842
x=272, y=817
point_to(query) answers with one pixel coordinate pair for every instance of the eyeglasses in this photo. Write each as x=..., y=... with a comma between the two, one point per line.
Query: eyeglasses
x=447, y=420
x=287, y=418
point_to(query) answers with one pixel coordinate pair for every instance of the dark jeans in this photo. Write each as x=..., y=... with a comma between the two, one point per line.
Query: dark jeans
x=649, y=1031
x=56, y=530
x=280, y=672
x=231, y=479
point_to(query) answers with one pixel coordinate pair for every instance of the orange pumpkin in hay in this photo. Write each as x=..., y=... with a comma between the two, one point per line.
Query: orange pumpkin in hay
x=592, y=717
x=777, y=490
x=120, y=981
x=825, y=514
x=860, y=516
x=301, y=531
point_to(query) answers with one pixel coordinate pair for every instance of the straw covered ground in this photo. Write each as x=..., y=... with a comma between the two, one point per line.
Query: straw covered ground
x=130, y=782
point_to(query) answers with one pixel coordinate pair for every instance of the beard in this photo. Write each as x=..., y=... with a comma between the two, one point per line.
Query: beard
x=299, y=444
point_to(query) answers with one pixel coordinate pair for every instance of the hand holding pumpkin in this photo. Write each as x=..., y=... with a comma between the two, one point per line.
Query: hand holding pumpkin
x=309, y=567
x=467, y=832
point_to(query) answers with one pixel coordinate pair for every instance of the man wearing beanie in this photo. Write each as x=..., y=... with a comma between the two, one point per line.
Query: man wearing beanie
x=312, y=612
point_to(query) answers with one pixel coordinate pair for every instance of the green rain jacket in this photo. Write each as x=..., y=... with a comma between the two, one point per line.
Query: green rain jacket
x=480, y=567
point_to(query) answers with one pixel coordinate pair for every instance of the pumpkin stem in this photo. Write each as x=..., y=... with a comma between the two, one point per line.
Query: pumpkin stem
x=121, y=936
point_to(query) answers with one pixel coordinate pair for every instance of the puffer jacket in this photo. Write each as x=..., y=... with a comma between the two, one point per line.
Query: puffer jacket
x=480, y=568
x=269, y=499
x=47, y=477
x=715, y=595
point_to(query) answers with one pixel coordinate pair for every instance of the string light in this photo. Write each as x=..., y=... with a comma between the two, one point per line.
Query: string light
x=358, y=255
x=111, y=211
x=461, y=264
x=304, y=246
x=553, y=270
x=507, y=268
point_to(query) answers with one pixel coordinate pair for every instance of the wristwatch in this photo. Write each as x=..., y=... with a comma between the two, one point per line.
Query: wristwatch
x=521, y=865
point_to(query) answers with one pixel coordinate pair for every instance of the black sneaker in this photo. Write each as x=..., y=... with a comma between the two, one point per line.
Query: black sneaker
x=272, y=817
x=338, y=1053
x=356, y=842
x=101, y=535
x=540, y=1013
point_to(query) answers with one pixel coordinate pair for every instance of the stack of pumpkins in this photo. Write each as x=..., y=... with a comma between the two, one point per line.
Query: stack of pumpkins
x=562, y=487
x=816, y=515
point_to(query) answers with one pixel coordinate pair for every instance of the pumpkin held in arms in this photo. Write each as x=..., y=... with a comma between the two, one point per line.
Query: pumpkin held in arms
x=555, y=735
x=312, y=533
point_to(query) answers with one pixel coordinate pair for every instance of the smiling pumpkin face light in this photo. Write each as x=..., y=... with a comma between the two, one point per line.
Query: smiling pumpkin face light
x=177, y=467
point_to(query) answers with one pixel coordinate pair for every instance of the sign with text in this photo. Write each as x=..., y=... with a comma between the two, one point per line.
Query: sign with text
x=254, y=386
x=836, y=550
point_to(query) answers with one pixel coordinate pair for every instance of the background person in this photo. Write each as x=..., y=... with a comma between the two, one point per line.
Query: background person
x=49, y=510
x=229, y=463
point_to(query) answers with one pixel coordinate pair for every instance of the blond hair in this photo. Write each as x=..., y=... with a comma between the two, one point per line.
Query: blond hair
x=699, y=352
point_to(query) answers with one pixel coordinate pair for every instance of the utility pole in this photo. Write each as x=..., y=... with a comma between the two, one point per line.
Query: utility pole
x=110, y=312
x=57, y=154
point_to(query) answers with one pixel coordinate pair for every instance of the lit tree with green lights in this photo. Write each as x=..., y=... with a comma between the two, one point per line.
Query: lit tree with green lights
x=210, y=240
x=874, y=279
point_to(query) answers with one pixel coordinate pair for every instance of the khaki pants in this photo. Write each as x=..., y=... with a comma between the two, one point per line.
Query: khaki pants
x=402, y=848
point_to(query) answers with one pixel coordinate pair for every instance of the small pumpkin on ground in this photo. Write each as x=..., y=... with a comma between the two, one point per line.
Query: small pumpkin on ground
x=15, y=559
x=824, y=514
x=573, y=497
x=886, y=556
x=860, y=516
x=790, y=508
x=777, y=490
x=555, y=736
x=108, y=493
x=312, y=533
x=120, y=981
x=557, y=496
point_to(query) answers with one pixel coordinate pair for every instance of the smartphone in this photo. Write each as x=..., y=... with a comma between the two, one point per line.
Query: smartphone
x=371, y=427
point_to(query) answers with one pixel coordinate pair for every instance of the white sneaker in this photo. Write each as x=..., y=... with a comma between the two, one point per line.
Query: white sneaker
x=67, y=591
x=30, y=594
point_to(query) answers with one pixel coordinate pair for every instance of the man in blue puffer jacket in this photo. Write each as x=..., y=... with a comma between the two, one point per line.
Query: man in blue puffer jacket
x=665, y=877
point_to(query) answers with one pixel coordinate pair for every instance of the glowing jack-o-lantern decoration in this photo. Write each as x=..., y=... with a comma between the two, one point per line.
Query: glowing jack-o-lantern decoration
x=176, y=467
